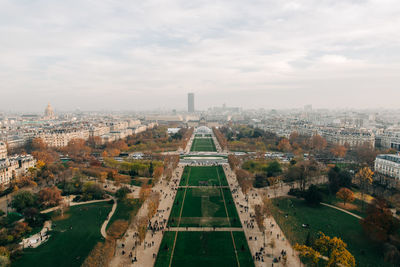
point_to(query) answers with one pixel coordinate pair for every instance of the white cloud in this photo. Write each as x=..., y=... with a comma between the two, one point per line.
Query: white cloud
x=74, y=53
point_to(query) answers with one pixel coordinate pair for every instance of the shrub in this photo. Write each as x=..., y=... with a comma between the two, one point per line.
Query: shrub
x=313, y=196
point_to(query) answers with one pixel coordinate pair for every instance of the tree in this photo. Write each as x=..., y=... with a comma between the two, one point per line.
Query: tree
x=141, y=226
x=335, y=249
x=339, y=151
x=365, y=154
x=23, y=200
x=158, y=172
x=308, y=254
x=4, y=257
x=122, y=193
x=379, y=224
x=284, y=145
x=95, y=141
x=92, y=191
x=302, y=172
x=245, y=180
x=151, y=168
x=153, y=202
x=117, y=229
x=346, y=195
x=49, y=196
x=391, y=254
x=294, y=137
x=332, y=248
x=259, y=216
x=364, y=177
x=317, y=142
x=37, y=144
x=101, y=254
x=313, y=196
x=77, y=149
x=273, y=168
x=274, y=183
x=145, y=191
x=338, y=178
x=233, y=161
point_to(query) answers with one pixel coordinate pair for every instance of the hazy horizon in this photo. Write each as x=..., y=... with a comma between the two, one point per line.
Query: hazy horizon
x=127, y=55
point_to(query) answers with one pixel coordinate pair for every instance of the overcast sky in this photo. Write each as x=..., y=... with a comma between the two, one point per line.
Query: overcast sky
x=133, y=55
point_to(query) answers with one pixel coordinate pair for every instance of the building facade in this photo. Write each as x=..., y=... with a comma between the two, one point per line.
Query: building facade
x=388, y=165
x=13, y=167
x=3, y=150
x=352, y=138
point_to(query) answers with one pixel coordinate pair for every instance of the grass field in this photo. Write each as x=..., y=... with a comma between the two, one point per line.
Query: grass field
x=198, y=249
x=213, y=175
x=203, y=144
x=331, y=222
x=71, y=239
x=140, y=181
x=204, y=207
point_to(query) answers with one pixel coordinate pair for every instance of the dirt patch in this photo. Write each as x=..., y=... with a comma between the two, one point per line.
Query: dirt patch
x=60, y=218
x=348, y=206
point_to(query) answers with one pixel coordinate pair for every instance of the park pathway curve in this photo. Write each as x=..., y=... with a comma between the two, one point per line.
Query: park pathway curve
x=104, y=226
x=343, y=210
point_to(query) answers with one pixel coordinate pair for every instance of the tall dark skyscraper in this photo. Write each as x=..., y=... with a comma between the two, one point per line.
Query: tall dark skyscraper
x=191, y=102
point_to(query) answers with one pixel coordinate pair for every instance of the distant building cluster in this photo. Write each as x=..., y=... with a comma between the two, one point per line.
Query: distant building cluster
x=58, y=131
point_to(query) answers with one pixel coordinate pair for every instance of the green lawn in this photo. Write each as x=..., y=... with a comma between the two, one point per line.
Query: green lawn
x=125, y=210
x=204, y=207
x=198, y=249
x=357, y=204
x=140, y=181
x=331, y=222
x=71, y=239
x=203, y=144
x=213, y=175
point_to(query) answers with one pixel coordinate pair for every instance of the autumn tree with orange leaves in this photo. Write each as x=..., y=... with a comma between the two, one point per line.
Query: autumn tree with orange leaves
x=364, y=178
x=339, y=151
x=284, y=145
x=318, y=143
x=49, y=196
x=346, y=195
x=379, y=224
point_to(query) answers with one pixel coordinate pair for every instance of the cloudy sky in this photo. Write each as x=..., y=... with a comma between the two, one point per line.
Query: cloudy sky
x=128, y=54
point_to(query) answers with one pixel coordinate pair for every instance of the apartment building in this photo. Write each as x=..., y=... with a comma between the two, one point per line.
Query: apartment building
x=388, y=165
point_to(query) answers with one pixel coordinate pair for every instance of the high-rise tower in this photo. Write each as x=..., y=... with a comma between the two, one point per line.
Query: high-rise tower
x=191, y=102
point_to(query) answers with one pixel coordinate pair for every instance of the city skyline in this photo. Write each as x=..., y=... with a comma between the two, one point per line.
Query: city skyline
x=142, y=56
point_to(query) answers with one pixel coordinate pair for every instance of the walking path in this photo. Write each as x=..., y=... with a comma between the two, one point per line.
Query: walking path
x=104, y=226
x=261, y=250
x=75, y=204
x=205, y=229
x=128, y=248
x=202, y=186
x=37, y=239
x=343, y=210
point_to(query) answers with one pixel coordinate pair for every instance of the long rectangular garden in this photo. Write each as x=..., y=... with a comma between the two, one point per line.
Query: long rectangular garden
x=199, y=249
x=204, y=200
x=203, y=176
x=203, y=145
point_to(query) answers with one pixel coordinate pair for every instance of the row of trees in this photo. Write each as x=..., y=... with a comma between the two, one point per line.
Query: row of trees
x=221, y=138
